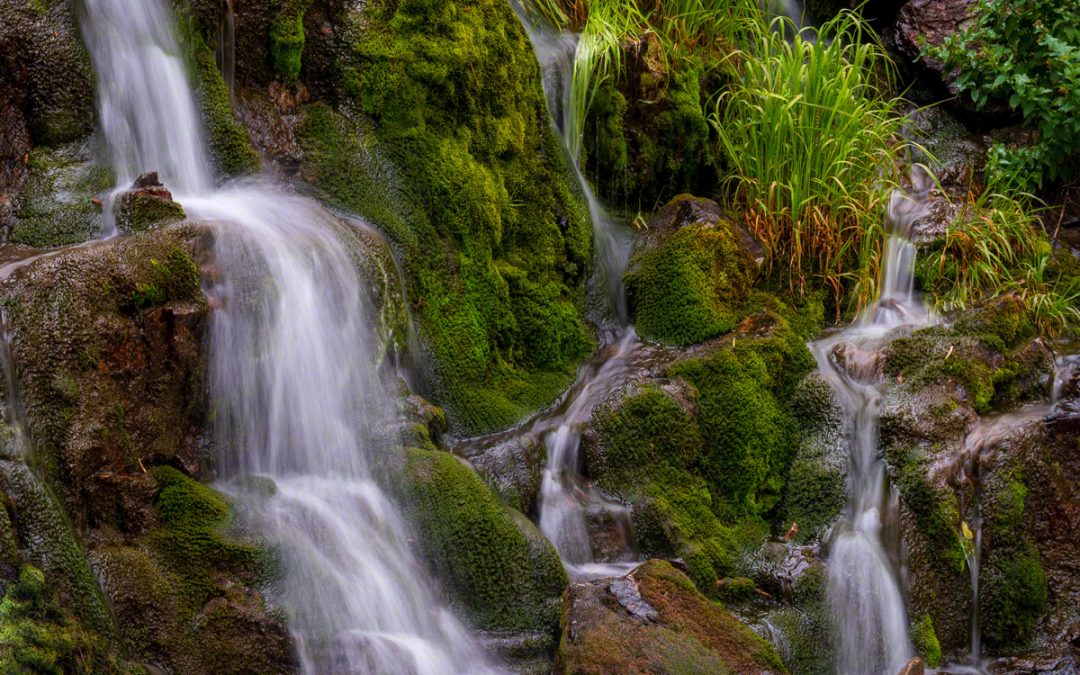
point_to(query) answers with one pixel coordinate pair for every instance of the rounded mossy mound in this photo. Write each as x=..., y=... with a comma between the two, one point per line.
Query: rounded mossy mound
x=505, y=573
x=691, y=274
x=442, y=139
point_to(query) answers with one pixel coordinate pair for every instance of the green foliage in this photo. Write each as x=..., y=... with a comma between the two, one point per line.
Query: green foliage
x=1025, y=52
x=505, y=573
x=995, y=246
x=461, y=167
x=926, y=641
x=690, y=32
x=935, y=509
x=37, y=637
x=811, y=141
x=691, y=287
x=175, y=278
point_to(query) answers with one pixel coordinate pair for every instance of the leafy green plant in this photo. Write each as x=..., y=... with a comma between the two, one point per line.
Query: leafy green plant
x=1026, y=53
x=812, y=138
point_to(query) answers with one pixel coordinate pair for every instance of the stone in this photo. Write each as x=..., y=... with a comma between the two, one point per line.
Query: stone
x=147, y=204
x=913, y=667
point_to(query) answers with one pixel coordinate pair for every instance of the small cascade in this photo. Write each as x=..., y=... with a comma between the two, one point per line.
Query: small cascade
x=865, y=588
x=226, y=48
x=302, y=413
x=567, y=501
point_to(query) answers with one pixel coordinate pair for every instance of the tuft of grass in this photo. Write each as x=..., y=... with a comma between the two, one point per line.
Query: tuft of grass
x=812, y=136
x=996, y=246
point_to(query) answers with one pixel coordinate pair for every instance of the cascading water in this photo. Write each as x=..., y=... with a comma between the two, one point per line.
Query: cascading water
x=865, y=589
x=566, y=500
x=298, y=395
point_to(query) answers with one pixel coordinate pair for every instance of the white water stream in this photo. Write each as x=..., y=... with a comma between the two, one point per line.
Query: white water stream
x=865, y=589
x=297, y=393
x=566, y=499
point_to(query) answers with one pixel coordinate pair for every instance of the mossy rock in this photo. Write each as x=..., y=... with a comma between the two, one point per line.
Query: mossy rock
x=59, y=79
x=689, y=633
x=815, y=491
x=107, y=343
x=507, y=575
x=37, y=636
x=805, y=643
x=646, y=136
x=56, y=204
x=287, y=44
x=182, y=592
x=691, y=273
x=442, y=140
x=701, y=454
x=138, y=211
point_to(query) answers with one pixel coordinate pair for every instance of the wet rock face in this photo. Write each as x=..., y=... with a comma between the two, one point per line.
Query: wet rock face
x=653, y=620
x=107, y=342
x=512, y=467
x=59, y=88
x=14, y=132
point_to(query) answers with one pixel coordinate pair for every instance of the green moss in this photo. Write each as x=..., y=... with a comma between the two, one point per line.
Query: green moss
x=287, y=44
x=692, y=287
x=192, y=540
x=504, y=572
x=138, y=211
x=230, y=148
x=806, y=625
x=175, y=278
x=456, y=160
x=56, y=201
x=646, y=137
x=37, y=637
x=926, y=642
x=935, y=509
x=1013, y=584
x=702, y=461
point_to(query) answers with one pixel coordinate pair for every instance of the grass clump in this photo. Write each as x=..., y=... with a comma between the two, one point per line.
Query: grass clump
x=811, y=137
x=996, y=247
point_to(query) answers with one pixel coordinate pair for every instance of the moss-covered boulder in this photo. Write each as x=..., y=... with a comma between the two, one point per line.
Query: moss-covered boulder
x=815, y=491
x=691, y=274
x=653, y=620
x=498, y=566
x=441, y=137
x=59, y=203
x=182, y=593
x=701, y=448
x=59, y=94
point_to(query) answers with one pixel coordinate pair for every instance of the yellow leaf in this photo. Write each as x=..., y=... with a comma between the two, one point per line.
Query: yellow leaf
x=966, y=530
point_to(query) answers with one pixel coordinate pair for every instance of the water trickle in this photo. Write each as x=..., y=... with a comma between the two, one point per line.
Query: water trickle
x=297, y=391
x=226, y=48
x=567, y=501
x=865, y=588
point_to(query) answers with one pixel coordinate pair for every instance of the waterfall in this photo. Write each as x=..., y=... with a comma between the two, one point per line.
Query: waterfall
x=566, y=500
x=302, y=411
x=865, y=588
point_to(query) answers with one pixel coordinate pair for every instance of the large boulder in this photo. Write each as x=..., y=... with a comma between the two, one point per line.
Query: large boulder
x=654, y=620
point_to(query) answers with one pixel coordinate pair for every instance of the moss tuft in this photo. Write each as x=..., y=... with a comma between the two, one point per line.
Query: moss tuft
x=926, y=642
x=287, y=44
x=174, y=279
